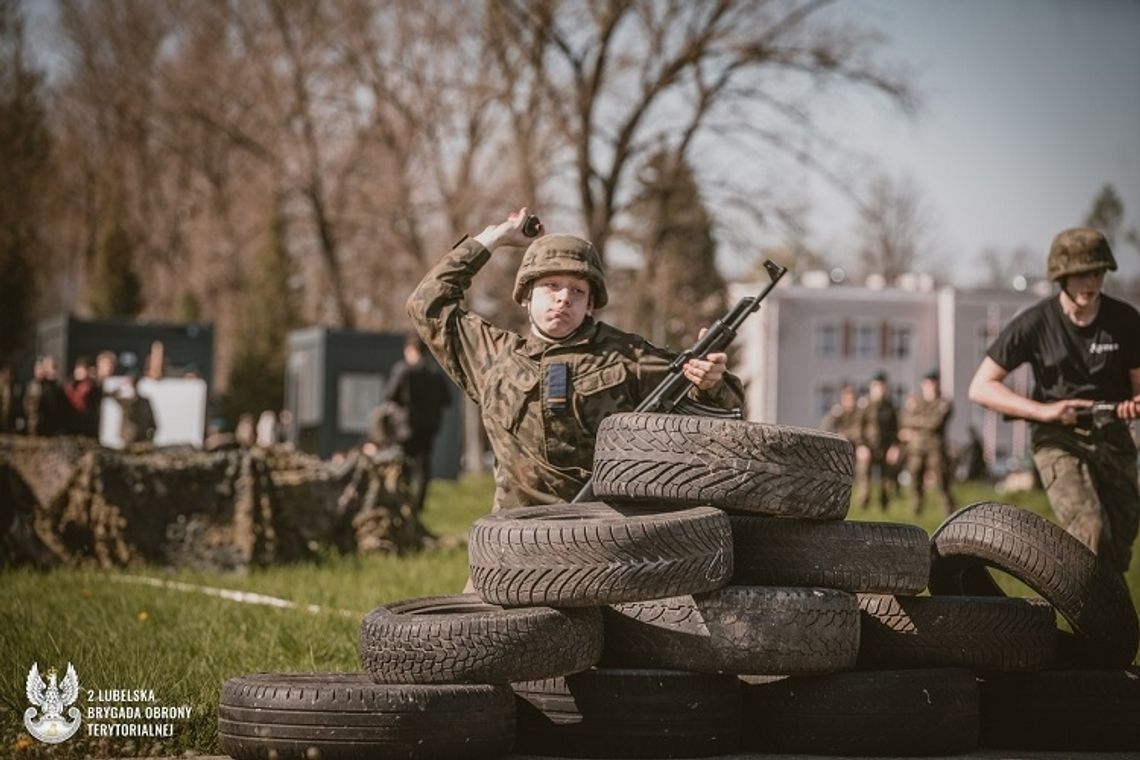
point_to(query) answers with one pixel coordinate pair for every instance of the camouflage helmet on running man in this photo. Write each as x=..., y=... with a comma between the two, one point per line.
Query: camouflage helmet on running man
x=561, y=254
x=1078, y=250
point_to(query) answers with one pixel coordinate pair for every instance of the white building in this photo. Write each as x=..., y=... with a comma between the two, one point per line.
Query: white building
x=808, y=340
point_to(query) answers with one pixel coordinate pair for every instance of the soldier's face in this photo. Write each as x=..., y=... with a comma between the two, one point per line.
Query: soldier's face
x=559, y=303
x=1083, y=289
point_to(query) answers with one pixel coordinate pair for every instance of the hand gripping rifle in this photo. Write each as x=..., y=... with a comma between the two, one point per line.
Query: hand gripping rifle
x=1089, y=419
x=672, y=393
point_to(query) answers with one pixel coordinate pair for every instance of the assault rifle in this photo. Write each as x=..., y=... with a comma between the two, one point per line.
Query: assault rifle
x=1096, y=417
x=672, y=393
x=1101, y=414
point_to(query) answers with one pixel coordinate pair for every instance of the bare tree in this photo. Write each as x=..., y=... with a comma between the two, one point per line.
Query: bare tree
x=1106, y=213
x=894, y=228
x=679, y=289
x=627, y=76
x=25, y=171
x=388, y=128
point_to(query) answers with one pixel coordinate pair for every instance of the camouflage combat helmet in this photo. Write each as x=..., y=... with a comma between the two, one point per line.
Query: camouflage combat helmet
x=1076, y=251
x=561, y=254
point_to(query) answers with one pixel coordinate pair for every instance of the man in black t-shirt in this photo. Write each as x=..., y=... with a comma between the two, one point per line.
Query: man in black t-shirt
x=1083, y=346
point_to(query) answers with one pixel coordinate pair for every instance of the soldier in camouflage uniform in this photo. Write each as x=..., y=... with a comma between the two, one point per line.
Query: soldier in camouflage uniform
x=923, y=430
x=878, y=443
x=1083, y=346
x=542, y=395
x=844, y=418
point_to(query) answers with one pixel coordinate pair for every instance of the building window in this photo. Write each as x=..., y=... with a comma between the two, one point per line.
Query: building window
x=899, y=341
x=827, y=340
x=866, y=341
x=826, y=396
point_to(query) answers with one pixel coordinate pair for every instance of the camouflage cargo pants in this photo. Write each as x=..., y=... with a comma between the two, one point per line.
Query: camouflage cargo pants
x=1094, y=495
x=923, y=461
x=866, y=464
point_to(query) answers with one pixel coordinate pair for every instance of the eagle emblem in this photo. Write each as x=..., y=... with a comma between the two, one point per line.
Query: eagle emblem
x=51, y=698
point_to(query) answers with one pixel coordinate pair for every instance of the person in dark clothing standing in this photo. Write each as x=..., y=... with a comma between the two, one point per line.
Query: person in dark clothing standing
x=420, y=393
x=878, y=443
x=9, y=399
x=85, y=396
x=45, y=406
x=1083, y=346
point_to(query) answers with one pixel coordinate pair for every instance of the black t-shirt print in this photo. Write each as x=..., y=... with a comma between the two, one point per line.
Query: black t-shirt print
x=1069, y=361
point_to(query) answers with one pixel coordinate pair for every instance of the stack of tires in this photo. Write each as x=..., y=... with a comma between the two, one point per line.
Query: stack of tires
x=716, y=600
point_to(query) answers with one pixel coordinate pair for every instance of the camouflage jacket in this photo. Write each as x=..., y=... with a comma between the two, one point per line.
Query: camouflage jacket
x=543, y=440
x=926, y=421
x=845, y=422
x=878, y=425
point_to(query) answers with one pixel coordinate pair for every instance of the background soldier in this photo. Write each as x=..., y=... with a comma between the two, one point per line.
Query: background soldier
x=421, y=392
x=923, y=430
x=9, y=399
x=1083, y=346
x=843, y=418
x=84, y=397
x=878, y=438
x=542, y=395
x=44, y=402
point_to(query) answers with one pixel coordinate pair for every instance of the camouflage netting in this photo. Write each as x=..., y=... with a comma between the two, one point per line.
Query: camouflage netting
x=68, y=501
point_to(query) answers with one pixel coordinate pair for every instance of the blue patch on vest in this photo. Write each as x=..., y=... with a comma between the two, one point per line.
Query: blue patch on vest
x=557, y=387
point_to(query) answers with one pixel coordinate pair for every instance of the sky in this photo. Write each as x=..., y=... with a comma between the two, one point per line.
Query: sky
x=1030, y=107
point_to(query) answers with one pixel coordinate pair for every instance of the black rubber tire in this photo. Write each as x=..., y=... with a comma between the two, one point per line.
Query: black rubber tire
x=737, y=629
x=888, y=712
x=979, y=632
x=869, y=557
x=462, y=639
x=1063, y=710
x=684, y=460
x=1085, y=590
x=590, y=554
x=346, y=715
x=629, y=713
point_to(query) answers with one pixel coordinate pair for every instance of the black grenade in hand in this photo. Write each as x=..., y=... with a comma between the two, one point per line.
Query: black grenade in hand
x=531, y=225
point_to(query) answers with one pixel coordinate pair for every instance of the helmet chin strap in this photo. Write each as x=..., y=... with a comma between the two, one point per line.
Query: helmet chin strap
x=543, y=333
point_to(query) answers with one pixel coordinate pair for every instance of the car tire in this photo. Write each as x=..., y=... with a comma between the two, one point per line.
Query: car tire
x=1085, y=590
x=685, y=460
x=982, y=633
x=462, y=639
x=346, y=715
x=861, y=557
x=892, y=713
x=737, y=629
x=629, y=713
x=591, y=554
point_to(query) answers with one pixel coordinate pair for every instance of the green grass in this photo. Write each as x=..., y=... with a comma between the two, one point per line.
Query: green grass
x=185, y=645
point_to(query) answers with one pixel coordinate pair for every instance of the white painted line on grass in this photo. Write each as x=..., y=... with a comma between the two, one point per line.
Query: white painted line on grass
x=233, y=595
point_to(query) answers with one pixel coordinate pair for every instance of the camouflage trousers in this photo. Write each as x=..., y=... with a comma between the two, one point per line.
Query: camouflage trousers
x=865, y=467
x=1093, y=491
x=922, y=461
